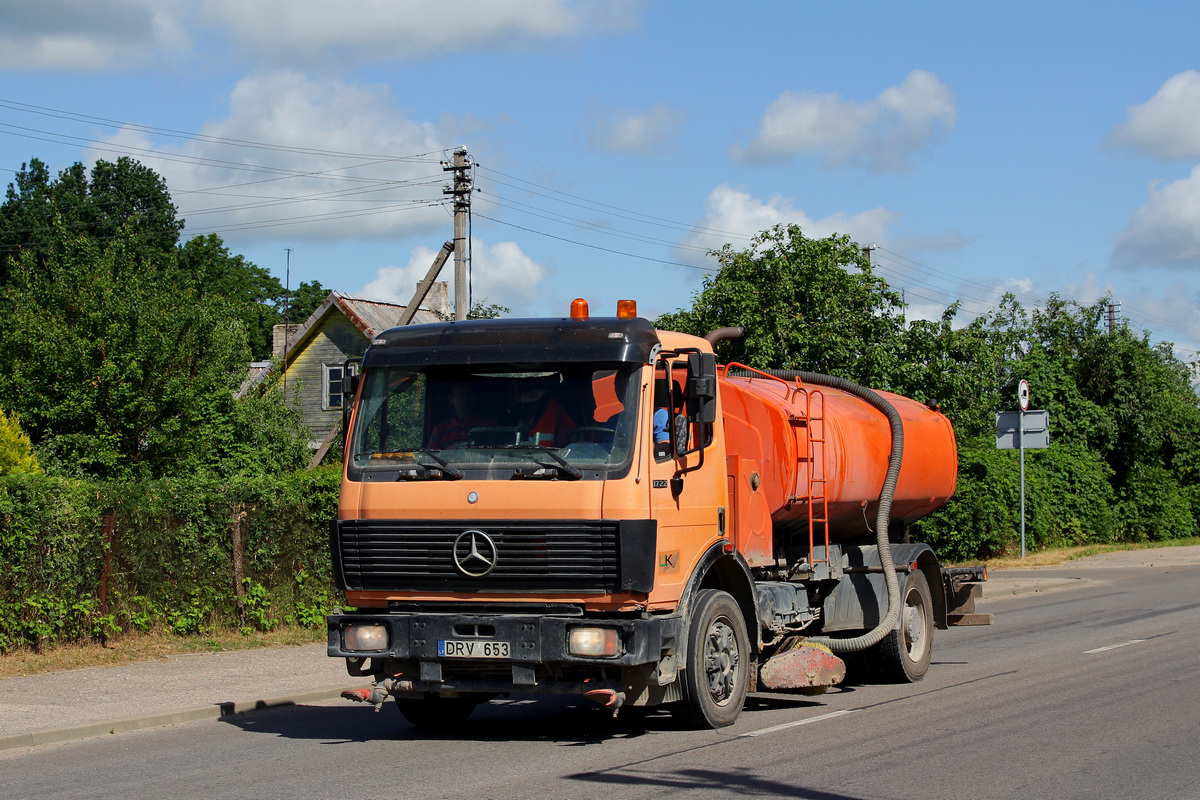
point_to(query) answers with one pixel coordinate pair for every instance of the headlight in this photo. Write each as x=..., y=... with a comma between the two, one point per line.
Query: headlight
x=596, y=642
x=365, y=637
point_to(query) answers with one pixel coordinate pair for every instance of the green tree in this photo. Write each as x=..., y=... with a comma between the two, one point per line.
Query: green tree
x=121, y=349
x=255, y=296
x=805, y=304
x=482, y=309
x=122, y=199
x=303, y=301
x=963, y=369
x=110, y=359
x=16, y=451
x=1125, y=429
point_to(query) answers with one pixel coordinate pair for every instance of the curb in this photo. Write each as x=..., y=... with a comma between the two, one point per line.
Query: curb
x=214, y=711
x=1031, y=585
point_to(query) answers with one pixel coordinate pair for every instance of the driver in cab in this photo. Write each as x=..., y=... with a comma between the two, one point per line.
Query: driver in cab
x=538, y=415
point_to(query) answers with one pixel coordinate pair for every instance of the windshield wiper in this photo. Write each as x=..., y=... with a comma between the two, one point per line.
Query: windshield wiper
x=572, y=472
x=570, y=468
x=453, y=473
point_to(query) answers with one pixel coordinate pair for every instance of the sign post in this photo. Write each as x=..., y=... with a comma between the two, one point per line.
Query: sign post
x=1020, y=430
x=1023, y=399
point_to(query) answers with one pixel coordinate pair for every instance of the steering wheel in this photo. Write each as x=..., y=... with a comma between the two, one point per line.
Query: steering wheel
x=597, y=434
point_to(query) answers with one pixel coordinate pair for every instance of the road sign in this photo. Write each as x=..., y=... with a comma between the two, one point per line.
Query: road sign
x=1023, y=394
x=1036, y=435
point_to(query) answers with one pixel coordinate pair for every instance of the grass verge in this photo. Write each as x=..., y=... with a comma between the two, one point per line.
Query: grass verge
x=154, y=645
x=1061, y=555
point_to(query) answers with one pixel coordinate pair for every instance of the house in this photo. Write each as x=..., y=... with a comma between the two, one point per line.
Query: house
x=314, y=360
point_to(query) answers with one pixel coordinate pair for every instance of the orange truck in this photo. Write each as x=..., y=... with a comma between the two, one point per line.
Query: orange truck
x=593, y=507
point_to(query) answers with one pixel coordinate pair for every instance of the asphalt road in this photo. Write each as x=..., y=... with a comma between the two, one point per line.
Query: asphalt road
x=1084, y=692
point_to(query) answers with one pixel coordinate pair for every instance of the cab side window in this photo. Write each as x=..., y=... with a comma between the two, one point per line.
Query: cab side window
x=670, y=410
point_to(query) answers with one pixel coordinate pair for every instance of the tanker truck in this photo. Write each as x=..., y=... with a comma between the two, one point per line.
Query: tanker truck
x=593, y=507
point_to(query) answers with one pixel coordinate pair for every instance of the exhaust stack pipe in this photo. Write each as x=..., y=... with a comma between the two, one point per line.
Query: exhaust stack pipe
x=723, y=334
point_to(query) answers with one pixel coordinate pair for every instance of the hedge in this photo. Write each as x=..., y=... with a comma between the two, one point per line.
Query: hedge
x=83, y=560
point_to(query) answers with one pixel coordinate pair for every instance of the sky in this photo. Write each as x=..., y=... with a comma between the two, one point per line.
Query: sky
x=984, y=148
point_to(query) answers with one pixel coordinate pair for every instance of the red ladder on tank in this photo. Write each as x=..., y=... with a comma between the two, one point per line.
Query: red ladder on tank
x=810, y=453
x=814, y=453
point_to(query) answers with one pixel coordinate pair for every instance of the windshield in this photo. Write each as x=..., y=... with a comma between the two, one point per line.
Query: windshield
x=565, y=421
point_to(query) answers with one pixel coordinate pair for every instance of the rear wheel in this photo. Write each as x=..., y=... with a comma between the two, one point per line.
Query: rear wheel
x=434, y=712
x=716, y=676
x=903, y=655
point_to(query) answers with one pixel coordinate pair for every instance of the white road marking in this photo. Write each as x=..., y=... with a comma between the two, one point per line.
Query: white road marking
x=787, y=725
x=1112, y=646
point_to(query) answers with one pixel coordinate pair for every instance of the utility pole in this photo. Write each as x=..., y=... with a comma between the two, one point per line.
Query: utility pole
x=1114, y=316
x=869, y=251
x=461, y=192
x=287, y=310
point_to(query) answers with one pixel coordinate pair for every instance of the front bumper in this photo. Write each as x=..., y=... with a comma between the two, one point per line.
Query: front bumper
x=533, y=639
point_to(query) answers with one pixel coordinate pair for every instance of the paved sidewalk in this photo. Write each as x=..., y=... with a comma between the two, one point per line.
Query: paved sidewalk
x=61, y=706
x=1006, y=582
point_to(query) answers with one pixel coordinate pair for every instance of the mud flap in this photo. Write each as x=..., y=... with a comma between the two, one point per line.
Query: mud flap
x=801, y=667
x=963, y=588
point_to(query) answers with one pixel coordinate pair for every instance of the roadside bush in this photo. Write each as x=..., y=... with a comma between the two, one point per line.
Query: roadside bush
x=1069, y=500
x=82, y=560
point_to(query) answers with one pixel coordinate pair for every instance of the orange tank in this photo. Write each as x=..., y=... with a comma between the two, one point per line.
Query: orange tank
x=803, y=440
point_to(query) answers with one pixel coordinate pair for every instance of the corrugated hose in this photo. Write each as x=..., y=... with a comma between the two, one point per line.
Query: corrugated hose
x=890, y=619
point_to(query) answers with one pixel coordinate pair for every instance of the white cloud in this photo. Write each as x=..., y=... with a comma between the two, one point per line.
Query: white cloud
x=501, y=273
x=307, y=185
x=1165, y=232
x=1166, y=126
x=88, y=36
x=95, y=35
x=632, y=132
x=730, y=213
x=880, y=134
x=361, y=31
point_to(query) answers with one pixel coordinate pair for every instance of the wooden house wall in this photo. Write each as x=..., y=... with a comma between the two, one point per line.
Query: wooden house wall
x=335, y=340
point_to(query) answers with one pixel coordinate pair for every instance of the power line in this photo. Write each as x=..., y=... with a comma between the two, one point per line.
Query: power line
x=524, y=208
x=597, y=247
x=617, y=210
x=191, y=135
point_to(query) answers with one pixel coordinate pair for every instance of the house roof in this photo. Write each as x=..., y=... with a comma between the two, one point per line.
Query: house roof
x=371, y=317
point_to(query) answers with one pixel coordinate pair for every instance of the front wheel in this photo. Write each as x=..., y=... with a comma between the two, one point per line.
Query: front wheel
x=717, y=672
x=903, y=655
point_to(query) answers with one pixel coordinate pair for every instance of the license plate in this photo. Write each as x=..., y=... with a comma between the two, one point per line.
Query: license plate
x=466, y=648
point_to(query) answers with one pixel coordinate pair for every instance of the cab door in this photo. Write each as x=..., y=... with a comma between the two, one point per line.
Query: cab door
x=687, y=472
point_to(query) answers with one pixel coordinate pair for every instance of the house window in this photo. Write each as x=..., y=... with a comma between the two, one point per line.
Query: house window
x=334, y=374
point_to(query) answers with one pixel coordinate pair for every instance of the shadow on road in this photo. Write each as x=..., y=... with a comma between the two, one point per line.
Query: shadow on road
x=568, y=721
x=720, y=783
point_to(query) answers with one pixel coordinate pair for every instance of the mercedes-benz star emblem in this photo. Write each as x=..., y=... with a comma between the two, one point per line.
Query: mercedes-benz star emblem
x=474, y=553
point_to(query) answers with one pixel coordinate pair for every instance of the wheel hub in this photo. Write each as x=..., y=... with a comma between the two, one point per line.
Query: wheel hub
x=721, y=661
x=914, y=631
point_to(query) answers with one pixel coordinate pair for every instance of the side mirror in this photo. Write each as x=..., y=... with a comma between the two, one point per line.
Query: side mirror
x=702, y=387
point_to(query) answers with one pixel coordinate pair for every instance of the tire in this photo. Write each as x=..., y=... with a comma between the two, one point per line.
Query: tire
x=903, y=655
x=717, y=672
x=433, y=712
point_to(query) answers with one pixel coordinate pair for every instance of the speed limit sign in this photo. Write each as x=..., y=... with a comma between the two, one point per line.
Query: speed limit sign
x=1023, y=394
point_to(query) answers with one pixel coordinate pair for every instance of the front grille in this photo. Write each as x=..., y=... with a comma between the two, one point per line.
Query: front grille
x=539, y=557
